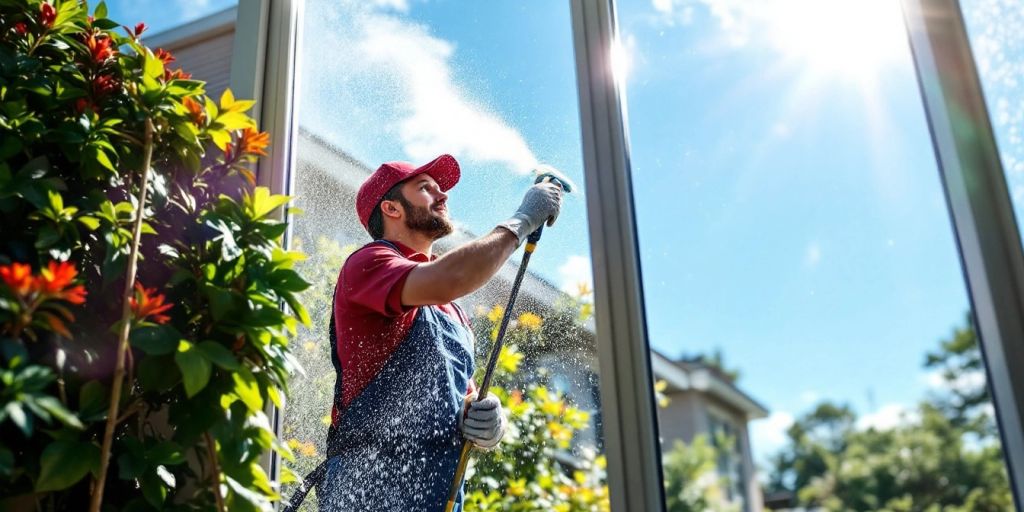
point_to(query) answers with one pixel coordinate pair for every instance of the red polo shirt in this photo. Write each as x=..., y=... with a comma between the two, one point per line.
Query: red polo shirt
x=370, y=319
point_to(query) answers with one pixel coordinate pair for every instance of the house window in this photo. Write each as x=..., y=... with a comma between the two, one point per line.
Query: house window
x=727, y=443
x=800, y=270
x=492, y=84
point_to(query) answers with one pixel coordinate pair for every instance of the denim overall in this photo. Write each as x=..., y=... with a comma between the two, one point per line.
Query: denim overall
x=396, y=445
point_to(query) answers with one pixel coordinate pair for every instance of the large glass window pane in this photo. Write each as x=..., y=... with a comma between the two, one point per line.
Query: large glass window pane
x=493, y=84
x=996, y=31
x=809, y=323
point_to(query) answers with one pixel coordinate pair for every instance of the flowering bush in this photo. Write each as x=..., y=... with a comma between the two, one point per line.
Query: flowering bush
x=141, y=276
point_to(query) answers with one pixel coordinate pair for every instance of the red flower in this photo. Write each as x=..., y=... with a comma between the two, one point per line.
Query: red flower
x=252, y=141
x=55, y=279
x=18, y=277
x=164, y=56
x=47, y=14
x=104, y=84
x=147, y=303
x=100, y=47
x=21, y=28
x=81, y=104
x=177, y=74
x=139, y=29
x=195, y=110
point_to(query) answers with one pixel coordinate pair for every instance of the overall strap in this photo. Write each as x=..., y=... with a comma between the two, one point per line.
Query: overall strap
x=314, y=477
x=389, y=244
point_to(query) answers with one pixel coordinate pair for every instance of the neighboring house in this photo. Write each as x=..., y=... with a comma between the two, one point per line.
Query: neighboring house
x=701, y=399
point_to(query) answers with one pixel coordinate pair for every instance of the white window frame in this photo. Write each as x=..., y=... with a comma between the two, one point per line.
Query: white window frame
x=264, y=68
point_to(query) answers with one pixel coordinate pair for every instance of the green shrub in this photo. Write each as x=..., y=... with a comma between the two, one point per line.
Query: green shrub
x=137, y=396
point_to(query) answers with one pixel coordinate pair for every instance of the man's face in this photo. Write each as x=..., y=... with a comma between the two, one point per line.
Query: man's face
x=426, y=207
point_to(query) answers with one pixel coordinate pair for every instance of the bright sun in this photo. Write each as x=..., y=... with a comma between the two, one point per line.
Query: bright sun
x=851, y=39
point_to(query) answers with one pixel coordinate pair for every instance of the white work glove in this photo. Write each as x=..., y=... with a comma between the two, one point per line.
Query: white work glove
x=483, y=422
x=541, y=203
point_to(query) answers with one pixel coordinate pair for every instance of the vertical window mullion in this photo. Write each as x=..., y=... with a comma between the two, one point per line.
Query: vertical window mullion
x=980, y=206
x=628, y=408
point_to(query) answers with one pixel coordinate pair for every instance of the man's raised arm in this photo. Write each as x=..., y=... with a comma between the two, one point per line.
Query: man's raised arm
x=468, y=267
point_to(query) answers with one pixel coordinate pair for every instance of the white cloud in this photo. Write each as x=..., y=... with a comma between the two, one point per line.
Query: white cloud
x=574, y=273
x=886, y=418
x=383, y=79
x=397, y=5
x=781, y=130
x=812, y=255
x=663, y=6
x=810, y=397
x=965, y=382
x=768, y=435
x=439, y=118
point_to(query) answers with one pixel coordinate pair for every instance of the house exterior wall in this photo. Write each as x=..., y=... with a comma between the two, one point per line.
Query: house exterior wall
x=208, y=60
x=204, y=51
x=683, y=418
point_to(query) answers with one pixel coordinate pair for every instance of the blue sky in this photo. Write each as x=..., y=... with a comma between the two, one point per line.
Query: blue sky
x=787, y=197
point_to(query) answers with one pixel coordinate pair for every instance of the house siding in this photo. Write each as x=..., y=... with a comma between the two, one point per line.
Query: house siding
x=208, y=60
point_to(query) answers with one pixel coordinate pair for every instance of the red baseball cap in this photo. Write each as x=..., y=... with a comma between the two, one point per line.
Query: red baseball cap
x=444, y=169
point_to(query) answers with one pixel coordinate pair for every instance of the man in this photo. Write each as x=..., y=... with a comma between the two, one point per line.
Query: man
x=403, y=350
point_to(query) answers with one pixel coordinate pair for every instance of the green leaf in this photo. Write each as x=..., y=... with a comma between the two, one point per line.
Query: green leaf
x=234, y=120
x=167, y=452
x=220, y=355
x=16, y=413
x=101, y=11
x=65, y=462
x=130, y=465
x=153, y=488
x=9, y=147
x=6, y=461
x=93, y=401
x=93, y=154
x=222, y=301
x=228, y=245
x=155, y=340
x=90, y=223
x=195, y=368
x=289, y=280
x=57, y=409
x=262, y=202
x=154, y=67
x=242, y=498
x=248, y=389
x=158, y=373
x=298, y=309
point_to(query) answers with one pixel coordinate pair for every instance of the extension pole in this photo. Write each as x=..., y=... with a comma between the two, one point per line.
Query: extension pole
x=460, y=470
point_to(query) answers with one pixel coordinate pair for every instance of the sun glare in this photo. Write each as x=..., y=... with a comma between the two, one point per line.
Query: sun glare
x=851, y=39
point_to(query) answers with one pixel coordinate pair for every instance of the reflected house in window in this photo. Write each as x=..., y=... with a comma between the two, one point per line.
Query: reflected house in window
x=704, y=400
x=701, y=399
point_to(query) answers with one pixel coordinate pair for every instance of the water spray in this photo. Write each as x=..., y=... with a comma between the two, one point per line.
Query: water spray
x=543, y=173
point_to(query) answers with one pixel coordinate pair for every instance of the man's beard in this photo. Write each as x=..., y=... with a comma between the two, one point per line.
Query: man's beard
x=427, y=222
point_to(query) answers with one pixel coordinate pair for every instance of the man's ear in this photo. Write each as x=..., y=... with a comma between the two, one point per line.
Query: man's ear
x=390, y=209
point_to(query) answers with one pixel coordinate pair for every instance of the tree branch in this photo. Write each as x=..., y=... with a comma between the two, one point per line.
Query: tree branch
x=212, y=451
x=125, y=327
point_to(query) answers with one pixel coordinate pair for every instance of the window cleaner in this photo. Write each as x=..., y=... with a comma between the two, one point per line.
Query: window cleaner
x=404, y=399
